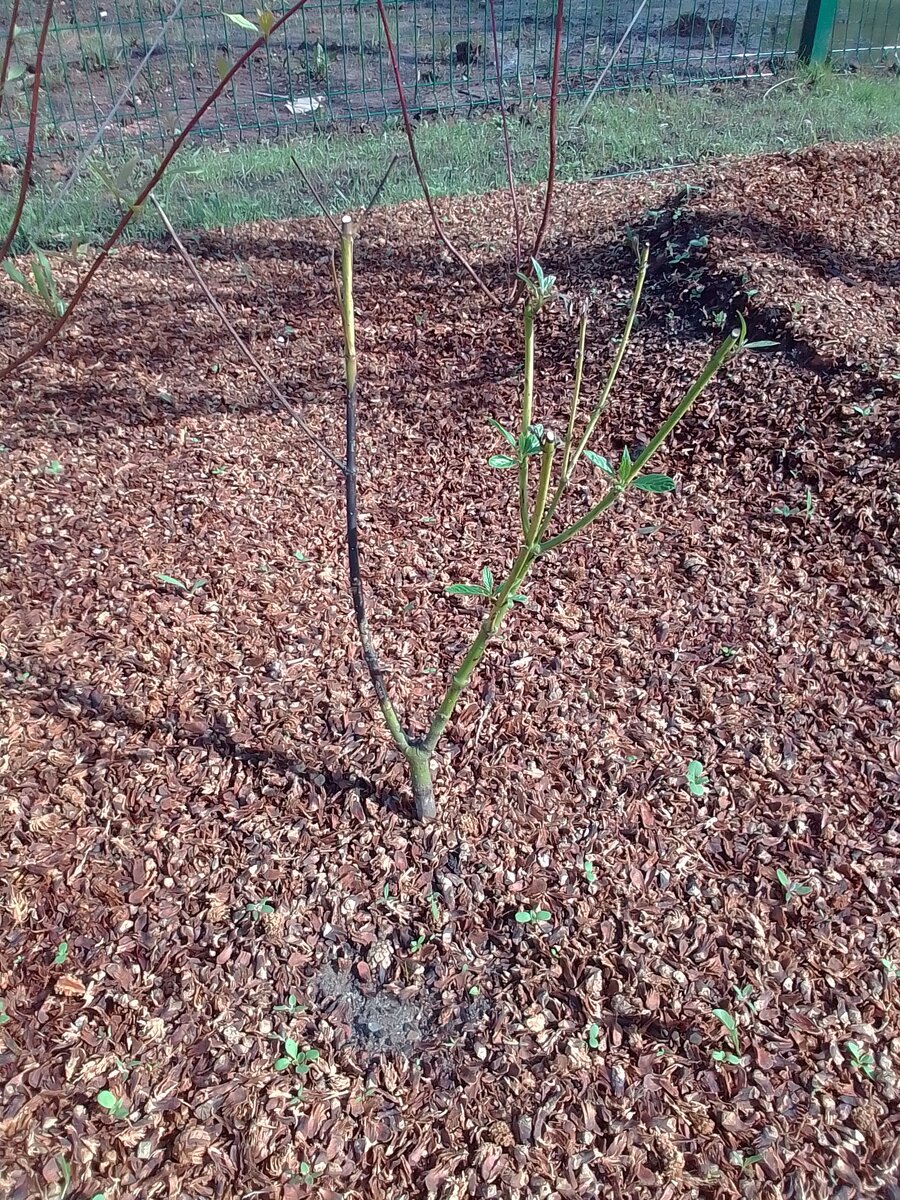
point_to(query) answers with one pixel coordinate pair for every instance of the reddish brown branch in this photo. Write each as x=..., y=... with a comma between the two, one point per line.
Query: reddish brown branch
x=513, y=194
x=554, y=114
x=7, y=49
x=148, y=187
x=423, y=182
x=32, y=123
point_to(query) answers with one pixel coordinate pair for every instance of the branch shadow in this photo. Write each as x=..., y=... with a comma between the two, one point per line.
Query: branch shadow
x=35, y=682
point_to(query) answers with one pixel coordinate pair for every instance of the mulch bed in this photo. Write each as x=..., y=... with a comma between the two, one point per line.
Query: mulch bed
x=198, y=800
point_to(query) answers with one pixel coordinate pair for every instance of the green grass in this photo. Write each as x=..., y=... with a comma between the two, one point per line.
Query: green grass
x=214, y=187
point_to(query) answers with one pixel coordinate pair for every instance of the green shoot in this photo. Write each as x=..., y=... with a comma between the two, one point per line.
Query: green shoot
x=62, y=953
x=113, y=1105
x=295, y=1059
x=527, y=916
x=791, y=889
x=861, y=1060
x=728, y=1021
x=181, y=585
x=696, y=778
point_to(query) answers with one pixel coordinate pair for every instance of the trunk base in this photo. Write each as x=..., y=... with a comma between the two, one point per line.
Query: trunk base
x=422, y=787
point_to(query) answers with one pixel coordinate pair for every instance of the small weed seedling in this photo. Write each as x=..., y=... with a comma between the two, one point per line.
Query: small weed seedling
x=743, y=994
x=785, y=510
x=532, y=916
x=181, y=585
x=734, y=1058
x=589, y=873
x=55, y=468
x=745, y=1161
x=62, y=953
x=295, y=1059
x=113, y=1105
x=593, y=1036
x=258, y=908
x=417, y=943
x=434, y=902
x=696, y=778
x=890, y=970
x=791, y=889
x=291, y=1006
x=861, y=1060
x=4, y=1015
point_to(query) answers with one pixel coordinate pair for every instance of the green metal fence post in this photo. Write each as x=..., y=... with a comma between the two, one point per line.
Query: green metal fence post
x=818, y=28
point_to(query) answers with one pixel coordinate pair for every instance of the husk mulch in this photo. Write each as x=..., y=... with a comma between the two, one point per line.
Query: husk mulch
x=198, y=800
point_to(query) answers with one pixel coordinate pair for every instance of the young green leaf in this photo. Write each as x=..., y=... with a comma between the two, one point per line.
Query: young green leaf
x=487, y=579
x=541, y=914
x=655, y=483
x=172, y=581
x=62, y=953
x=241, y=21
x=726, y=1018
x=282, y=1063
x=312, y=1055
x=113, y=1105
x=464, y=589
x=523, y=916
x=291, y=1048
x=518, y=598
x=625, y=464
x=696, y=778
x=501, y=461
x=16, y=275
x=597, y=460
x=510, y=437
x=266, y=20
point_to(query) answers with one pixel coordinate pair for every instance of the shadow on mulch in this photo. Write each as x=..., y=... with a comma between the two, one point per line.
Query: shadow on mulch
x=59, y=696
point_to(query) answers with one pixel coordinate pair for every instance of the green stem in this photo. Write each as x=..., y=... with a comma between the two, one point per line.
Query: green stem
x=603, y=399
x=690, y=396
x=525, y=422
x=543, y=491
x=475, y=653
x=419, y=761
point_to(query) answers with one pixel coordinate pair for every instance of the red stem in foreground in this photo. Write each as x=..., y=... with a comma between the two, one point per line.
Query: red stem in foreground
x=554, y=113
x=423, y=182
x=32, y=123
x=148, y=187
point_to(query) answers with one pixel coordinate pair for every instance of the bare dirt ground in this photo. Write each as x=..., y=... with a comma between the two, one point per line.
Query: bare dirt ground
x=338, y=54
x=198, y=802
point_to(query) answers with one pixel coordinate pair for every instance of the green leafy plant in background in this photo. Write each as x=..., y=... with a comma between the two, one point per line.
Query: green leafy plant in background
x=4, y=1015
x=539, y=491
x=43, y=289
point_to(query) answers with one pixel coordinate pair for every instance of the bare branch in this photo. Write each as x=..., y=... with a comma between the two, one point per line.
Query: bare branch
x=240, y=343
x=380, y=187
x=423, y=182
x=612, y=58
x=513, y=194
x=317, y=196
x=32, y=127
x=72, y=176
x=348, y=321
x=554, y=115
x=127, y=217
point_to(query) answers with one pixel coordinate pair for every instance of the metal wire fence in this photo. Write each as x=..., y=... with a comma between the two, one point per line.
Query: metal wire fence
x=330, y=66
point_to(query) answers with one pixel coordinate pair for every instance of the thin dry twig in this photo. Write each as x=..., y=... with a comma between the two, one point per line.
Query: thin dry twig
x=612, y=58
x=507, y=149
x=554, y=116
x=385, y=177
x=241, y=344
x=316, y=195
x=423, y=182
x=32, y=127
x=128, y=216
x=72, y=176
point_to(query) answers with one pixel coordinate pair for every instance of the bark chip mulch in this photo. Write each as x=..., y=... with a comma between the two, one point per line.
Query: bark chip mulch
x=213, y=905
